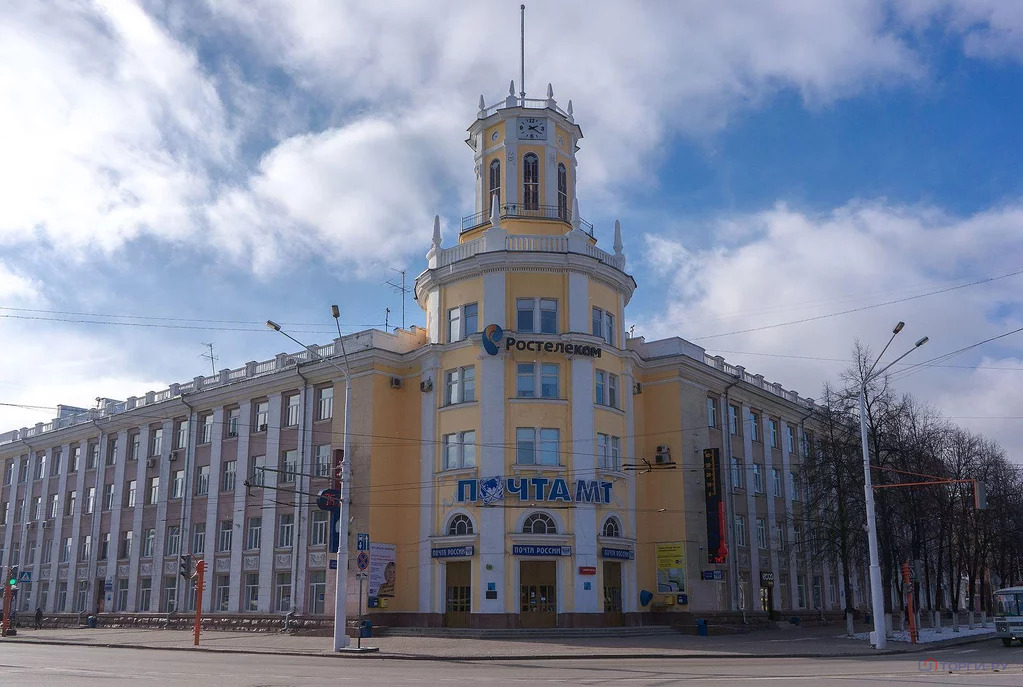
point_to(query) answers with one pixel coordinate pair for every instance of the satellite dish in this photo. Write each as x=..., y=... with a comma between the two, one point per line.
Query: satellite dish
x=645, y=597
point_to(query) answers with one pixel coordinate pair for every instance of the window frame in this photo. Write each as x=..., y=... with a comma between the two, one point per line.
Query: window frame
x=453, y=450
x=531, y=181
x=602, y=325
x=538, y=306
x=456, y=381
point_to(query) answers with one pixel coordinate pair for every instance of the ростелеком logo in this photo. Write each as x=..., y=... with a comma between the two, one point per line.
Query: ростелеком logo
x=492, y=336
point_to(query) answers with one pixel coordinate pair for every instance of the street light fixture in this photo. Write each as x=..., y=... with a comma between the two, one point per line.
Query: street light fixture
x=341, y=591
x=879, y=635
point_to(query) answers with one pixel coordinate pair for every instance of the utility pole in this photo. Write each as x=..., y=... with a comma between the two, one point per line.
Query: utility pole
x=399, y=288
x=387, y=319
x=209, y=356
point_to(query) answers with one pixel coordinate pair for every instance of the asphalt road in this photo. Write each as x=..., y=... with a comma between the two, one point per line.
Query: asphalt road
x=46, y=665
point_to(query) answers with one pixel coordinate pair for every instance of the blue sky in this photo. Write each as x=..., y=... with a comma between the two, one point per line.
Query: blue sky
x=770, y=161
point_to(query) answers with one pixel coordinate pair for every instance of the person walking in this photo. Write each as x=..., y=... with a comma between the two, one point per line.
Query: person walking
x=39, y=617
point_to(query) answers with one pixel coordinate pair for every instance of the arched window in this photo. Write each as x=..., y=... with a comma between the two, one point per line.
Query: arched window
x=612, y=528
x=531, y=181
x=539, y=523
x=495, y=184
x=460, y=524
x=562, y=192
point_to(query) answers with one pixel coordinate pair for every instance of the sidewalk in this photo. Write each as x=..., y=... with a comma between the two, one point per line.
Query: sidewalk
x=796, y=643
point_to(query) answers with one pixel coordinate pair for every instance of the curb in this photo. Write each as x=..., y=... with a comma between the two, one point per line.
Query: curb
x=527, y=657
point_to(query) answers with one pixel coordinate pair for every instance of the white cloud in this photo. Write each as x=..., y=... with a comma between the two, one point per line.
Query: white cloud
x=800, y=266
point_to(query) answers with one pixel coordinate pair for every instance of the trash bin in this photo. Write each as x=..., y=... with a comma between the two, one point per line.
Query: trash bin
x=701, y=627
x=91, y=621
x=366, y=630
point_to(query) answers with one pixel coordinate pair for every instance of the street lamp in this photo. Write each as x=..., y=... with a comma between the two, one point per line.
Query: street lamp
x=341, y=591
x=880, y=635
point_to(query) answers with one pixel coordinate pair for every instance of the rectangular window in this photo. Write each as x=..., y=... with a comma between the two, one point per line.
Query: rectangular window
x=525, y=380
x=144, y=594
x=112, y=451
x=737, y=473
x=82, y=596
x=549, y=380
x=55, y=460
x=794, y=486
x=791, y=438
x=257, y=476
x=76, y=459
x=321, y=461
x=30, y=558
x=733, y=420
x=801, y=590
x=170, y=594
x=774, y=433
x=121, y=604
x=740, y=530
x=180, y=434
x=549, y=449
x=604, y=325
x=233, y=416
x=460, y=450
x=133, y=446
x=130, y=500
x=223, y=599
x=148, y=539
x=230, y=471
x=90, y=499
x=291, y=409
x=289, y=462
x=23, y=472
x=69, y=508
x=199, y=537
x=460, y=385
x=153, y=493
x=608, y=452
x=108, y=497
x=156, y=447
x=262, y=416
x=317, y=591
x=529, y=451
x=776, y=481
x=41, y=466
x=612, y=390
x=318, y=528
x=173, y=540
x=454, y=325
x=224, y=538
x=463, y=321
x=525, y=446
x=599, y=387
x=548, y=316
x=524, y=319
x=754, y=426
x=61, y=597
x=206, y=428
x=202, y=480
x=781, y=536
x=178, y=484
x=16, y=552
x=761, y=533
x=126, y=540
x=282, y=592
x=37, y=508
x=325, y=403
x=471, y=318
x=251, y=591
x=92, y=457
x=254, y=533
x=9, y=473
x=47, y=556
x=285, y=530
x=758, y=478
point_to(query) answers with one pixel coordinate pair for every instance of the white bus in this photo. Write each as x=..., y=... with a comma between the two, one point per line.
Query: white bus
x=1009, y=614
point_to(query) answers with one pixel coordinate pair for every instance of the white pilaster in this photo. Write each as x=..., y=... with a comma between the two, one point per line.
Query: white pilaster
x=427, y=497
x=583, y=466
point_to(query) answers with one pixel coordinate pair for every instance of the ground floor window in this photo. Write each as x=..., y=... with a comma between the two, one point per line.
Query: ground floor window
x=801, y=591
x=251, y=591
x=282, y=593
x=317, y=590
x=223, y=599
x=189, y=600
x=44, y=595
x=145, y=594
x=122, y=596
x=61, y=597
x=81, y=599
x=170, y=594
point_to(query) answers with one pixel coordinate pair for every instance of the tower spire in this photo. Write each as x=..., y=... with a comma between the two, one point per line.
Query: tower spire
x=436, y=230
x=522, y=51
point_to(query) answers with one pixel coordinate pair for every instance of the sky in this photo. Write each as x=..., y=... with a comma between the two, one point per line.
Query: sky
x=791, y=177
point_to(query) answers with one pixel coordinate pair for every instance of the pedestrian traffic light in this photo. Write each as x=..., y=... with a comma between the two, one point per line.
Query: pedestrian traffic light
x=12, y=575
x=185, y=569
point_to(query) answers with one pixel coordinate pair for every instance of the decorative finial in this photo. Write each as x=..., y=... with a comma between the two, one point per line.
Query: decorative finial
x=495, y=212
x=618, y=238
x=483, y=104
x=511, y=88
x=570, y=117
x=576, y=226
x=550, y=91
x=436, y=230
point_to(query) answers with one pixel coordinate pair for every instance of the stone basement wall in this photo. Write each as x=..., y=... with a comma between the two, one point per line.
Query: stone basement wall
x=186, y=621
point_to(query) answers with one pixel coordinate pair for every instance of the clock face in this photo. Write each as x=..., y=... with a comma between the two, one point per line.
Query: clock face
x=532, y=128
x=493, y=136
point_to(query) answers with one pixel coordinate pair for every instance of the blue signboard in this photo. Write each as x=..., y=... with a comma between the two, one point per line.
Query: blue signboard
x=617, y=554
x=362, y=542
x=713, y=575
x=333, y=564
x=335, y=530
x=491, y=489
x=530, y=550
x=452, y=551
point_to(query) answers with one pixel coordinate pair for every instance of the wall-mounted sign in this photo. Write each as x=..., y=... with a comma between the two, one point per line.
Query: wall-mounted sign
x=383, y=571
x=682, y=599
x=452, y=551
x=767, y=579
x=713, y=575
x=617, y=554
x=587, y=570
x=532, y=489
x=493, y=337
x=671, y=567
x=531, y=550
x=717, y=549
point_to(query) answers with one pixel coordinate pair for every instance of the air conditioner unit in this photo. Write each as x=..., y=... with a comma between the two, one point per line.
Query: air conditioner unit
x=150, y=462
x=174, y=455
x=663, y=455
x=663, y=448
x=262, y=428
x=426, y=386
x=395, y=382
x=637, y=388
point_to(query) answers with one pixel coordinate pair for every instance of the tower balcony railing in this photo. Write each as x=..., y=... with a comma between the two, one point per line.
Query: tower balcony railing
x=547, y=213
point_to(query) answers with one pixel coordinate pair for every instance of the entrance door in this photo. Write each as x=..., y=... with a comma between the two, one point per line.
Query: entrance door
x=538, y=594
x=458, y=594
x=613, y=593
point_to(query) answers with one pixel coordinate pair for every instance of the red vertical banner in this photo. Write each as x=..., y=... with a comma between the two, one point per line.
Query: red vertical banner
x=717, y=550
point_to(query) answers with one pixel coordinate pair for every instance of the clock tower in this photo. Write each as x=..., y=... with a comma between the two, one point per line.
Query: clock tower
x=525, y=159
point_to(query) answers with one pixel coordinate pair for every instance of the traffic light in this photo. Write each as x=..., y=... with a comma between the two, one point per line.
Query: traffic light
x=12, y=576
x=185, y=566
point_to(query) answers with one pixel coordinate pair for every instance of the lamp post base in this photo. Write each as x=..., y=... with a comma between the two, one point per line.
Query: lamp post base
x=358, y=650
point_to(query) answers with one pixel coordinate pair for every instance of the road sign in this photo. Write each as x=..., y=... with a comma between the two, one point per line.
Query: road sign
x=25, y=576
x=362, y=560
x=362, y=543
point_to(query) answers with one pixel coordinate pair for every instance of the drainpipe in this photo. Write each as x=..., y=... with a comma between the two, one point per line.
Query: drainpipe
x=303, y=487
x=726, y=433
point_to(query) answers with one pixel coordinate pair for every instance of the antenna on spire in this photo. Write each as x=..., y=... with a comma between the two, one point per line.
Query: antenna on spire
x=522, y=51
x=211, y=357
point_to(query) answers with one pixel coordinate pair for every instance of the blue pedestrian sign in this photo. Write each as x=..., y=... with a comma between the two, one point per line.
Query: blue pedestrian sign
x=362, y=543
x=25, y=576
